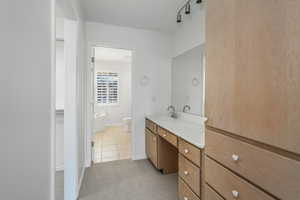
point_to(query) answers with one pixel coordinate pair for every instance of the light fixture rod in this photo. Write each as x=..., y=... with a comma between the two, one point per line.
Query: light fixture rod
x=187, y=3
x=183, y=7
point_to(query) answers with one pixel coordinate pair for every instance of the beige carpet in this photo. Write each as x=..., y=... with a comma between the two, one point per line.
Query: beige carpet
x=127, y=180
x=59, y=185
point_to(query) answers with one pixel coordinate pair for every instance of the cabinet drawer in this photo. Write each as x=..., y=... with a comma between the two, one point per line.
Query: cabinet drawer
x=151, y=147
x=184, y=192
x=210, y=194
x=151, y=126
x=189, y=151
x=255, y=164
x=230, y=186
x=167, y=136
x=190, y=173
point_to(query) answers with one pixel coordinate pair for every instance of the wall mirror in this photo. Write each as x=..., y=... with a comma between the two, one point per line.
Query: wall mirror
x=188, y=81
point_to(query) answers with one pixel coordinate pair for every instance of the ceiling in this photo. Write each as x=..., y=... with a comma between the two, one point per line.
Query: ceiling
x=109, y=54
x=157, y=15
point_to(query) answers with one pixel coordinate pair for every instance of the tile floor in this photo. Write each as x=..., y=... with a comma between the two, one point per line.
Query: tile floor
x=114, y=143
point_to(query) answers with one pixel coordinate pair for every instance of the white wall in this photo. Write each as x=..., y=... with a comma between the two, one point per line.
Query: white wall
x=26, y=108
x=59, y=27
x=151, y=57
x=60, y=94
x=60, y=75
x=115, y=113
x=185, y=68
x=191, y=31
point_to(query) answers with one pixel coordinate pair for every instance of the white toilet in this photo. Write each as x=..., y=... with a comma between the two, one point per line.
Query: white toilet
x=127, y=124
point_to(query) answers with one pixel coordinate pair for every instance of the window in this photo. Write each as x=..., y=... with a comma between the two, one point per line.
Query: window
x=107, y=88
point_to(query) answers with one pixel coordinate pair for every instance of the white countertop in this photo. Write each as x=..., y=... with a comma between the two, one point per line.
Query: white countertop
x=190, y=130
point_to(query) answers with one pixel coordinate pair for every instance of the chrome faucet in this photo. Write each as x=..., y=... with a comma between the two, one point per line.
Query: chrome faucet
x=186, y=108
x=172, y=113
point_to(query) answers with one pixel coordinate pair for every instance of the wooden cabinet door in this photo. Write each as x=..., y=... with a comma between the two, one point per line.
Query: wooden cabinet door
x=147, y=142
x=151, y=147
x=253, y=70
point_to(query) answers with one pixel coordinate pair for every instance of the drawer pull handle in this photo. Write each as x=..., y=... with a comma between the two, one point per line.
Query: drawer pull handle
x=164, y=135
x=185, y=198
x=235, y=157
x=235, y=193
x=186, y=151
x=186, y=173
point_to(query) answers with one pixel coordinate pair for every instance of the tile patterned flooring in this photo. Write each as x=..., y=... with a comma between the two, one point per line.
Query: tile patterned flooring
x=114, y=143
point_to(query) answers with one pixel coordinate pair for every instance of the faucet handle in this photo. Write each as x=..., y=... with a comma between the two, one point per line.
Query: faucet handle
x=186, y=107
x=171, y=107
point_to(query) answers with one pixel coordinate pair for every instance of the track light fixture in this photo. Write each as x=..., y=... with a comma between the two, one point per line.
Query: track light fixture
x=179, y=17
x=187, y=8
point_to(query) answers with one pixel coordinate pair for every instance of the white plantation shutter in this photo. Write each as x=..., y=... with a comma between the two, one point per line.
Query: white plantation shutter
x=107, y=88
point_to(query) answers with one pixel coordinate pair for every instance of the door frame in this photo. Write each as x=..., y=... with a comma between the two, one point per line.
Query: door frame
x=70, y=111
x=90, y=114
x=72, y=175
x=53, y=102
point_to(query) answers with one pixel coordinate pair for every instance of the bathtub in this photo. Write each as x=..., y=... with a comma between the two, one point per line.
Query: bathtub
x=99, y=122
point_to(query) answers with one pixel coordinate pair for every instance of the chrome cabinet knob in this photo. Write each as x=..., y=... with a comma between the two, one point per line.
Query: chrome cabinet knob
x=235, y=157
x=186, y=173
x=235, y=193
x=185, y=198
x=164, y=135
x=186, y=151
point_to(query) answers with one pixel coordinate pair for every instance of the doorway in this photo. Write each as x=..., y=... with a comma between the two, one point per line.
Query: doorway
x=111, y=83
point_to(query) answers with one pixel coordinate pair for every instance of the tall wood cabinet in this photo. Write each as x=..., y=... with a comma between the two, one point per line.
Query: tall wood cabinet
x=253, y=70
x=253, y=98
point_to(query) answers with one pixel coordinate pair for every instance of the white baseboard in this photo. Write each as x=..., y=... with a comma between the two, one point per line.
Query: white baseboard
x=139, y=157
x=80, y=181
x=60, y=168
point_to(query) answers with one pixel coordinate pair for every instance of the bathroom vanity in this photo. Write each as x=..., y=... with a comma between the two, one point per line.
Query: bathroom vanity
x=175, y=142
x=177, y=145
